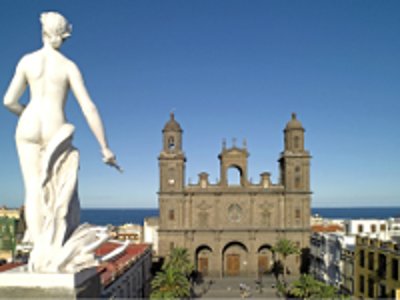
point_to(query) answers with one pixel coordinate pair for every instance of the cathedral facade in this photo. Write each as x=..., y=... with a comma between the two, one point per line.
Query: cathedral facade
x=231, y=229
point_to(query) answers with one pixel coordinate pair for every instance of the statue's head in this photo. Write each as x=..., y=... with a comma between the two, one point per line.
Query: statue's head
x=55, y=28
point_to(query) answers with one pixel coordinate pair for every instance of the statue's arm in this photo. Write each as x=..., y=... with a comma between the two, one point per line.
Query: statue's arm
x=89, y=110
x=15, y=90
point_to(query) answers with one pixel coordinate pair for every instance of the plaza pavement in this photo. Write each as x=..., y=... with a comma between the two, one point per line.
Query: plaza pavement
x=228, y=287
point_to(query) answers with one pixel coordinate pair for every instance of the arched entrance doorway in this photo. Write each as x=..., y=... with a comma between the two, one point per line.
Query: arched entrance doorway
x=234, y=259
x=265, y=259
x=203, y=257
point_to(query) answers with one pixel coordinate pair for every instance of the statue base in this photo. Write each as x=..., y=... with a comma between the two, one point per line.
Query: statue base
x=19, y=283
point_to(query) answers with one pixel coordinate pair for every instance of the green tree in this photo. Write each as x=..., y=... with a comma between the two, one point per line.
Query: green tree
x=170, y=284
x=179, y=259
x=329, y=292
x=173, y=280
x=306, y=287
x=285, y=248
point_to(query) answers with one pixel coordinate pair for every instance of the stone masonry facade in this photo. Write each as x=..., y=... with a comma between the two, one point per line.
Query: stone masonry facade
x=230, y=229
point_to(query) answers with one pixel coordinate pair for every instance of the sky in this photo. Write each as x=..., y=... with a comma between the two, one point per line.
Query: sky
x=228, y=69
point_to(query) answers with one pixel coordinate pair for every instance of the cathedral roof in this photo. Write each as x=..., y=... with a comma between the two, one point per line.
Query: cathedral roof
x=172, y=125
x=294, y=123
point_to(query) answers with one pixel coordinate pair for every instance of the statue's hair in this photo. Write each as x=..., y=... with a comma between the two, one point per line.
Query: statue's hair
x=55, y=25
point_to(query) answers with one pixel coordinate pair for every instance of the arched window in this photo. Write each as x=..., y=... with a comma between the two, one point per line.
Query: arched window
x=234, y=175
x=171, y=143
x=171, y=176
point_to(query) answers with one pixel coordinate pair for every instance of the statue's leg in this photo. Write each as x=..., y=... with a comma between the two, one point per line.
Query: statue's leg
x=30, y=158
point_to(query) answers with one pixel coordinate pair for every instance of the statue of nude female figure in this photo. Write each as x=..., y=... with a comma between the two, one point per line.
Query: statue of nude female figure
x=49, y=75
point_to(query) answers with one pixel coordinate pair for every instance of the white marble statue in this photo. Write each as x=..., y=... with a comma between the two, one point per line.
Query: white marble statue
x=48, y=161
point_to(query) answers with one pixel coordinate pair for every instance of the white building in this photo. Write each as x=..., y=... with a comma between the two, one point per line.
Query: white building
x=394, y=229
x=326, y=256
x=373, y=228
x=129, y=232
x=150, y=232
x=316, y=220
x=331, y=260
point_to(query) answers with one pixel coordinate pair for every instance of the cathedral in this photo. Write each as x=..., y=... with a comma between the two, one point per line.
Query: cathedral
x=231, y=229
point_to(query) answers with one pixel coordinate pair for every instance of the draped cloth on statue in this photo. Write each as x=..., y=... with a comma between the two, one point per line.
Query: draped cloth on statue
x=62, y=245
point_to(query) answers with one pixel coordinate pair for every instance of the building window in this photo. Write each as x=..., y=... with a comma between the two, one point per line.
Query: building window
x=362, y=288
x=347, y=228
x=382, y=266
x=360, y=228
x=362, y=258
x=382, y=291
x=395, y=269
x=383, y=227
x=297, y=213
x=171, y=143
x=171, y=245
x=371, y=260
x=370, y=288
x=373, y=228
x=171, y=215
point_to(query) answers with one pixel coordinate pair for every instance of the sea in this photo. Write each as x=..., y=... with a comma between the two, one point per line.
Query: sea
x=114, y=216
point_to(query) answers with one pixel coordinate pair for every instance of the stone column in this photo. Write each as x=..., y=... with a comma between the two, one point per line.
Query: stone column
x=190, y=210
x=251, y=219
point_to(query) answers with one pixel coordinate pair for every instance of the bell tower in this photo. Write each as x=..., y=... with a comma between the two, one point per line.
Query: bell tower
x=172, y=159
x=295, y=160
x=233, y=157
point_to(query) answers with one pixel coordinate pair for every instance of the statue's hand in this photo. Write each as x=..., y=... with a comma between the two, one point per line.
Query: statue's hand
x=110, y=159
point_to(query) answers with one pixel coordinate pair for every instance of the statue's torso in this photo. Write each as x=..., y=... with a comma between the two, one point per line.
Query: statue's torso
x=46, y=73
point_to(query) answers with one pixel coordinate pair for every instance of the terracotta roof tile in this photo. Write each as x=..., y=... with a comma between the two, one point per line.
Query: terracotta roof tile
x=326, y=228
x=9, y=266
x=112, y=269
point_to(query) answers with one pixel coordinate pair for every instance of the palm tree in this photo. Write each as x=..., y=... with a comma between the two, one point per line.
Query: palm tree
x=170, y=284
x=173, y=280
x=328, y=292
x=306, y=287
x=179, y=258
x=285, y=248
